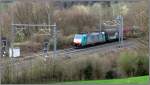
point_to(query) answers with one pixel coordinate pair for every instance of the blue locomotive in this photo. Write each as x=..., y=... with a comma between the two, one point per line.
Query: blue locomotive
x=84, y=39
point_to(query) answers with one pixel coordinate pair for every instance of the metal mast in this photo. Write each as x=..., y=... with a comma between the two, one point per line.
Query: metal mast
x=55, y=39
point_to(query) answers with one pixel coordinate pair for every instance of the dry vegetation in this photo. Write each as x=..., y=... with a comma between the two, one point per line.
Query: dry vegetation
x=76, y=19
x=124, y=63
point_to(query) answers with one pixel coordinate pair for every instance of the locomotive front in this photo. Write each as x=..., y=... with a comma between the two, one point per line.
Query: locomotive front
x=77, y=40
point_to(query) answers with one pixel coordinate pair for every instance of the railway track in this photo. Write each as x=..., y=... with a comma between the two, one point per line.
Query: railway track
x=71, y=52
x=95, y=48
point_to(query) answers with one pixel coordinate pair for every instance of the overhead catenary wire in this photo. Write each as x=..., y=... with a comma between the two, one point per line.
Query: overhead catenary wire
x=34, y=25
x=38, y=25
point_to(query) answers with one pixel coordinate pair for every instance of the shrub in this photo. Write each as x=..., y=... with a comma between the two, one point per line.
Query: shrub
x=142, y=65
x=127, y=62
x=88, y=72
x=62, y=42
x=133, y=64
x=111, y=74
x=83, y=67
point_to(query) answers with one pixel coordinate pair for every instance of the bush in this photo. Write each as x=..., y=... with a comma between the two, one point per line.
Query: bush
x=111, y=74
x=133, y=64
x=62, y=42
x=83, y=67
x=127, y=62
x=88, y=72
x=142, y=65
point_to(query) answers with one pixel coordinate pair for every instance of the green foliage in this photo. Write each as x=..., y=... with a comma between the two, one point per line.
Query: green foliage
x=128, y=62
x=88, y=72
x=133, y=63
x=19, y=37
x=111, y=74
x=142, y=65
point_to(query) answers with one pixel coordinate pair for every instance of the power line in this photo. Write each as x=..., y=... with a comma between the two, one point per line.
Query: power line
x=34, y=25
x=37, y=25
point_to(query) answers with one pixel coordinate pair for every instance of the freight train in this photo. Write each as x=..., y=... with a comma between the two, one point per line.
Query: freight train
x=85, y=39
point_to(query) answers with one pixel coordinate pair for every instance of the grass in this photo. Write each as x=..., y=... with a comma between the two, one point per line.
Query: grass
x=133, y=80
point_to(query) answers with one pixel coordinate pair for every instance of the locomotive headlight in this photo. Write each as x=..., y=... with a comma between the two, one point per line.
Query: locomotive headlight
x=77, y=40
x=103, y=33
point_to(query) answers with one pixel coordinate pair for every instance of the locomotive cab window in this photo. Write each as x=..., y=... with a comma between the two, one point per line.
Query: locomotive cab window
x=78, y=36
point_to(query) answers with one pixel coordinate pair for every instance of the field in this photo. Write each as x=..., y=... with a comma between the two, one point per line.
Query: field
x=134, y=80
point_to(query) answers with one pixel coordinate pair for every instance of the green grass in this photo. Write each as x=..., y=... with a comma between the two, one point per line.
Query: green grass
x=133, y=80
